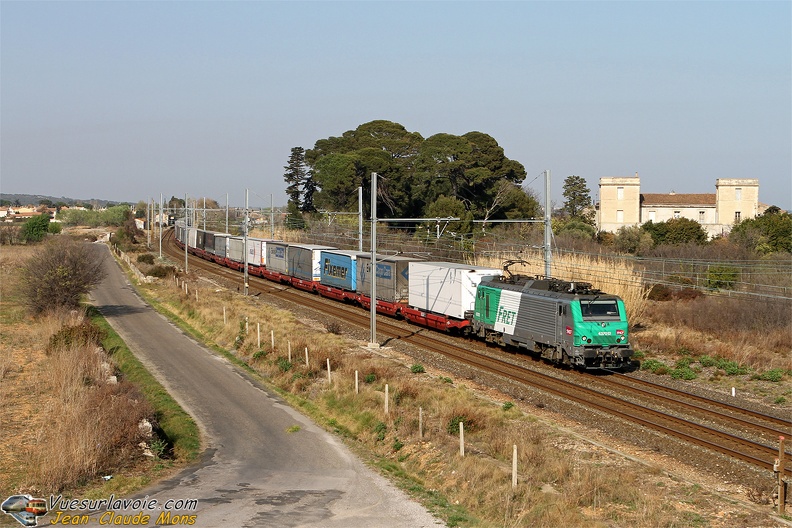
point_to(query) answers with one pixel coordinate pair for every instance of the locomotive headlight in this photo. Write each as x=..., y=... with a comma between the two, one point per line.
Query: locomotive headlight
x=584, y=338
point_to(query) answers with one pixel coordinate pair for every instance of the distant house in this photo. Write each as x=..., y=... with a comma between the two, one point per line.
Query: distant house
x=621, y=203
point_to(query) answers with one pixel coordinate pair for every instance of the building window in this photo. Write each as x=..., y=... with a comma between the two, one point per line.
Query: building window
x=736, y=216
x=738, y=194
x=651, y=216
x=619, y=216
x=701, y=217
x=676, y=214
x=620, y=193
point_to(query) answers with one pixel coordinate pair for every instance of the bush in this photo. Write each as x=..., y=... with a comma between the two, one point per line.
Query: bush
x=731, y=368
x=653, y=365
x=684, y=373
x=59, y=273
x=370, y=378
x=36, y=228
x=146, y=258
x=379, y=430
x=660, y=292
x=417, y=369
x=284, y=364
x=707, y=361
x=774, y=375
x=722, y=277
x=161, y=272
x=85, y=334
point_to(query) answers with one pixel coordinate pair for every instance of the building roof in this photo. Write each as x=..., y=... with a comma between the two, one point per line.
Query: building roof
x=673, y=199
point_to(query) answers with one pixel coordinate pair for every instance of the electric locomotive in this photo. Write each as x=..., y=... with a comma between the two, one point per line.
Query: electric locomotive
x=568, y=323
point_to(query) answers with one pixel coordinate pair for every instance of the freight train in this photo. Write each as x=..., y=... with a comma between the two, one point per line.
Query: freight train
x=564, y=322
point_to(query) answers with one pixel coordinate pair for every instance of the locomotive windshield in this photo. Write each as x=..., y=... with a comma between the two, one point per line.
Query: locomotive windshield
x=599, y=309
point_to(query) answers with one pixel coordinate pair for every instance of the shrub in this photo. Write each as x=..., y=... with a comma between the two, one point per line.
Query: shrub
x=731, y=368
x=685, y=373
x=333, y=327
x=36, y=228
x=417, y=369
x=59, y=273
x=707, y=361
x=379, y=430
x=161, y=271
x=146, y=258
x=660, y=292
x=284, y=364
x=684, y=362
x=722, y=277
x=370, y=378
x=774, y=375
x=652, y=365
x=507, y=406
x=84, y=334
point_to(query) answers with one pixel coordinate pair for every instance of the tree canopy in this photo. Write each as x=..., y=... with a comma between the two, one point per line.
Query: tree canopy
x=769, y=232
x=417, y=177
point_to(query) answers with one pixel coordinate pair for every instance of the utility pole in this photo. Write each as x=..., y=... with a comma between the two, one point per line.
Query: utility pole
x=548, y=230
x=245, y=242
x=373, y=338
x=272, y=218
x=160, y=228
x=360, y=218
x=186, y=233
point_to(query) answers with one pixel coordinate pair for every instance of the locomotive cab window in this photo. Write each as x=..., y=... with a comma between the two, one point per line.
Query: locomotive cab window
x=599, y=309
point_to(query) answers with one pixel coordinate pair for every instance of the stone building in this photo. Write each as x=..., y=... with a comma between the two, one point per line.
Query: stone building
x=621, y=203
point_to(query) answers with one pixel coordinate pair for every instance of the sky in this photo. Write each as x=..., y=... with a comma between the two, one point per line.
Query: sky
x=125, y=101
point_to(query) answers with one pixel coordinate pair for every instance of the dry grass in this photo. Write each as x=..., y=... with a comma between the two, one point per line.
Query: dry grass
x=96, y=429
x=561, y=483
x=60, y=419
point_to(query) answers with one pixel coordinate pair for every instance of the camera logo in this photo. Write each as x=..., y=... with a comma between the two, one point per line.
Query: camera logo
x=25, y=509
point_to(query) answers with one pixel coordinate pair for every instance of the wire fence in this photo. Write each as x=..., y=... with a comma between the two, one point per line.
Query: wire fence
x=769, y=278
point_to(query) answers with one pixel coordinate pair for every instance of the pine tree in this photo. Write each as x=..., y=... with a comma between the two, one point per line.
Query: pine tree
x=295, y=176
x=577, y=201
x=309, y=189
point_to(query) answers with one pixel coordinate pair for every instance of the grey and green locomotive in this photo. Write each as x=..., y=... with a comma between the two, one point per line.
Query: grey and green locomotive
x=564, y=322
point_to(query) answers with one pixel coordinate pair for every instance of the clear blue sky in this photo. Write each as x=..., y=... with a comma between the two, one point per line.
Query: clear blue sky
x=127, y=100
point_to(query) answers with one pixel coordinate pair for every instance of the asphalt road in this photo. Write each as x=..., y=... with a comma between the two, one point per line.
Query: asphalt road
x=253, y=473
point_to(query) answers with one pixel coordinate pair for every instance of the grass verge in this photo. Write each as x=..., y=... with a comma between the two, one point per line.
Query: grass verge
x=179, y=428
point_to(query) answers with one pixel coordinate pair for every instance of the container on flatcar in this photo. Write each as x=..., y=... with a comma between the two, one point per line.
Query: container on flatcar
x=257, y=250
x=236, y=249
x=178, y=232
x=209, y=242
x=277, y=257
x=200, y=239
x=192, y=237
x=221, y=244
x=392, y=274
x=339, y=268
x=446, y=288
x=304, y=261
x=256, y=255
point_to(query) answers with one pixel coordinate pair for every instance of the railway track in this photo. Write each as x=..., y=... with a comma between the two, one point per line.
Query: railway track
x=728, y=429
